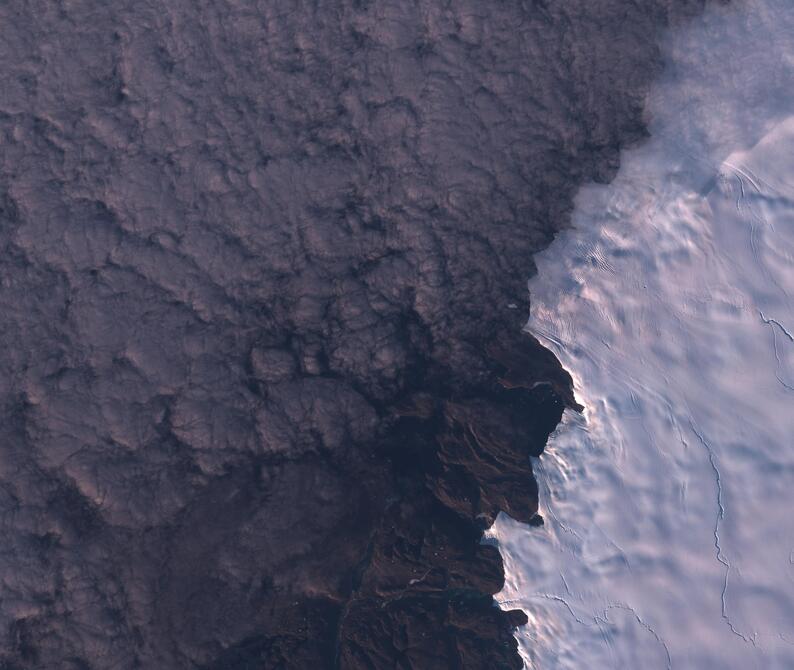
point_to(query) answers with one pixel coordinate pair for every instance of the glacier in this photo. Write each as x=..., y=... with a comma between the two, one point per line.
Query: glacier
x=669, y=502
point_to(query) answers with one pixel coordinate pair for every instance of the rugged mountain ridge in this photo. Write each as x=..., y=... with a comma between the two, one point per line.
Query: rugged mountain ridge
x=264, y=275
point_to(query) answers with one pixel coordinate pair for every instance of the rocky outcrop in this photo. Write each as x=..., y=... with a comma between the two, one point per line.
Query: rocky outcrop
x=263, y=278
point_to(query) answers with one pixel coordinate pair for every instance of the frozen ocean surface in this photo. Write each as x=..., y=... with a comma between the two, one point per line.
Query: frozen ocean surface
x=669, y=504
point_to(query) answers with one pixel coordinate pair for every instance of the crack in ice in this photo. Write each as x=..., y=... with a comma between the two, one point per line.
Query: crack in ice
x=597, y=619
x=772, y=323
x=777, y=323
x=718, y=546
x=546, y=596
x=645, y=625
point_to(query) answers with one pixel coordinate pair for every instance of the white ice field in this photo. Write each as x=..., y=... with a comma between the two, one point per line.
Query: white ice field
x=669, y=505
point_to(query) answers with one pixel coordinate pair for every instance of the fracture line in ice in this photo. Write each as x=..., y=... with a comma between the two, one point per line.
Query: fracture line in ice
x=720, y=517
x=777, y=323
x=646, y=626
x=772, y=323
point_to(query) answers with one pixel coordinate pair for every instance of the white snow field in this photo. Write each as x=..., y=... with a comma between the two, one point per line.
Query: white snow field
x=669, y=504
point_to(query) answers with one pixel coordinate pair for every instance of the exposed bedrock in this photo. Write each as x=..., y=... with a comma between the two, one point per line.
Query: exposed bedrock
x=263, y=278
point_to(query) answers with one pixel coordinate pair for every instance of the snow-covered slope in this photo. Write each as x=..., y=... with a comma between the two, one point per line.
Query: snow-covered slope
x=669, y=505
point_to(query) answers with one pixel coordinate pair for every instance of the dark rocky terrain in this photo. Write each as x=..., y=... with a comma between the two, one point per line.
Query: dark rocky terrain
x=263, y=277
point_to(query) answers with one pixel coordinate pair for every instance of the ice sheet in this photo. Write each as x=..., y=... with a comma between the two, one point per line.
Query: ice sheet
x=669, y=505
